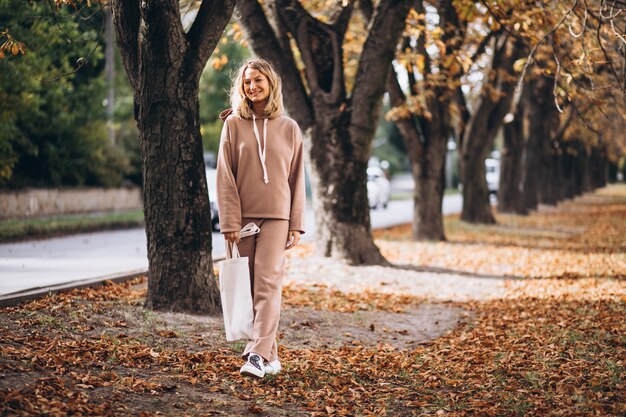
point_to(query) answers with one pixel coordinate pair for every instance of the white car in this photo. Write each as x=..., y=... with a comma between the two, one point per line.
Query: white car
x=492, y=175
x=211, y=179
x=378, y=188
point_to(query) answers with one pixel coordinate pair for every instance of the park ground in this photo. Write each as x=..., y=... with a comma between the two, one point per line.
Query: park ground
x=523, y=318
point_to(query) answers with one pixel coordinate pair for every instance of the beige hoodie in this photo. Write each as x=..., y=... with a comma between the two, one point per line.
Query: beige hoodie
x=260, y=175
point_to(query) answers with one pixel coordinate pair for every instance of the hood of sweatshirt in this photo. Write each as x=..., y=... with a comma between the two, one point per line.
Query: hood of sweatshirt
x=224, y=115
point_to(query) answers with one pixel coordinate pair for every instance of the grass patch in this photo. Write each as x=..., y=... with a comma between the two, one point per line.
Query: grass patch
x=15, y=230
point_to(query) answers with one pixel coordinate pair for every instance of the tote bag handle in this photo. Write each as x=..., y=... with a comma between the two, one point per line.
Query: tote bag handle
x=248, y=230
x=232, y=251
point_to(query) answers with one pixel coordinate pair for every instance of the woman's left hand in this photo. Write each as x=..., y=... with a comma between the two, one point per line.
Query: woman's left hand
x=292, y=239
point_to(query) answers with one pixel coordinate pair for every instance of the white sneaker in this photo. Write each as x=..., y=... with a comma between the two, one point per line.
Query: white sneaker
x=273, y=367
x=253, y=366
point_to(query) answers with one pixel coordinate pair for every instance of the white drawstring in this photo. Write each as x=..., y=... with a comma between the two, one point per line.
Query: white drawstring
x=262, y=152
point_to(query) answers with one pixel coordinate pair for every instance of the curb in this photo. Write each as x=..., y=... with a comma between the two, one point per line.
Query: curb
x=18, y=297
x=32, y=293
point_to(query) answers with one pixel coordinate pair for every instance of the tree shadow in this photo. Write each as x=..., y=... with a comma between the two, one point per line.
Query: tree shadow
x=438, y=270
x=593, y=250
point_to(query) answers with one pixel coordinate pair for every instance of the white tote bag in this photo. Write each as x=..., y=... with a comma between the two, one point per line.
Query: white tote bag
x=235, y=291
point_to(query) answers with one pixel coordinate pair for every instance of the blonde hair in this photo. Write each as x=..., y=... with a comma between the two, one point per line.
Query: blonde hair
x=241, y=105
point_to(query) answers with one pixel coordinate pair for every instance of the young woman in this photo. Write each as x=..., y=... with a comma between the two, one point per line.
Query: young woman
x=260, y=179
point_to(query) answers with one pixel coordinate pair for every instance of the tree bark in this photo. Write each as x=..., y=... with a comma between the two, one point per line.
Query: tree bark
x=164, y=66
x=613, y=170
x=584, y=167
x=426, y=144
x=541, y=120
x=341, y=204
x=599, y=167
x=511, y=170
x=550, y=184
x=478, y=137
x=569, y=173
x=339, y=128
x=430, y=183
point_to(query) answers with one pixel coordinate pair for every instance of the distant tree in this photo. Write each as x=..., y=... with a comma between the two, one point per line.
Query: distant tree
x=428, y=56
x=570, y=114
x=479, y=129
x=511, y=168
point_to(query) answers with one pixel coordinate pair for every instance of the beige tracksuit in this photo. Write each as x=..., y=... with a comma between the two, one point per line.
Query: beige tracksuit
x=260, y=179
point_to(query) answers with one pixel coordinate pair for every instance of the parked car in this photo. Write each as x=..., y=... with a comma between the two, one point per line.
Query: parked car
x=492, y=175
x=211, y=179
x=378, y=188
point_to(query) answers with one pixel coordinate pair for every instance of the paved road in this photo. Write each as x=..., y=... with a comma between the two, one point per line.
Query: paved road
x=54, y=261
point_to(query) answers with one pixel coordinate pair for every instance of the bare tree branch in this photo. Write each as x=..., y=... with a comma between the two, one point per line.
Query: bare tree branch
x=212, y=14
x=321, y=47
x=609, y=61
x=482, y=46
x=126, y=16
x=534, y=48
x=81, y=62
x=585, y=122
x=504, y=26
x=563, y=126
x=407, y=126
x=384, y=32
x=264, y=42
x=421, y=41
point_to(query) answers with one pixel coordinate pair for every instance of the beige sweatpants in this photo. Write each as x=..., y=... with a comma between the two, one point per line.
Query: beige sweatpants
x=266, y=258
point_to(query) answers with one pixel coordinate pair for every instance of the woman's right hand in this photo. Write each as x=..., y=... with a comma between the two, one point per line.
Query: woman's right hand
x=232, y=237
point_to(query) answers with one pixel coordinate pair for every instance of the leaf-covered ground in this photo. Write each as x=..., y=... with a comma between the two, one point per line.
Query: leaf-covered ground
x=553, y=345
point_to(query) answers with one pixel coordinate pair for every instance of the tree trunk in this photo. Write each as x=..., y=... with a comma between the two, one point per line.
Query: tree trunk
x=427, y=158
x=584, y=167
x=576, y=152
x=342, y=211
x=613, y=169
x=569, y=174
x=547, y=184
x=542, y=117
x=510, y=189
x=429, y=189
x=604, y=172
x=164, y=65
x=476, y=205
x=531, y=168
x=176, y=201
x=550, y=186
x=599, y=167
x=481, y=131
x=426, y=144
x=559, y=189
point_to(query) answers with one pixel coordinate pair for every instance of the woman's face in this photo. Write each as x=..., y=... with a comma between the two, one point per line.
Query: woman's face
x=255, y=85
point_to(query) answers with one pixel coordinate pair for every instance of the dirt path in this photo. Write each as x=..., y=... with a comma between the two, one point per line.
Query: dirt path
x=430, y=284
x=435, y=316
